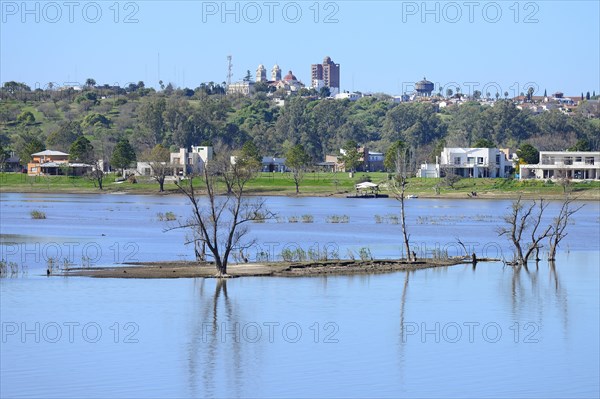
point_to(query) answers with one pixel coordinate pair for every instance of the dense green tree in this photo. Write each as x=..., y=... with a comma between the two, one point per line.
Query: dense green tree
x=81, y=150
x=89, y=96
x=65, y=135
x=391, y=155
x=14, y=87
x=413, y=123
x=31, y=147
x=95, y=120
x=89, y=82
x=581, y=145
x=528, y=154
x=350, y=156
x=293, y=123
x=484, y=143
x=150, y=117
x=4, y=155
x=466, y=124
x=506, y=123
x=324, y=92
x=123, y=155
x=250, y=152
x=26, y=118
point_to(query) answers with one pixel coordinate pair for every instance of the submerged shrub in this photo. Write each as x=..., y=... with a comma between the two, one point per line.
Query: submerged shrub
x=307, y=218
x=337, y=219
x=365, y=254
x=35, y=214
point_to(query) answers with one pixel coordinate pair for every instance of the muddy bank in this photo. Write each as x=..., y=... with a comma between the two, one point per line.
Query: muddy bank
x=282, y=269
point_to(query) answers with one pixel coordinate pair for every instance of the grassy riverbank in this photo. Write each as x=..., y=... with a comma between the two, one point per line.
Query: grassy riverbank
x=314, y=184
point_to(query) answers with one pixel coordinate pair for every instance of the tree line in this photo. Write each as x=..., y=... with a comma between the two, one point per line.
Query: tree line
x=173, y=118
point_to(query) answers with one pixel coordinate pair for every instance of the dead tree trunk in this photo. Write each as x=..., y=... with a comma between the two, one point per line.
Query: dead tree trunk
x=559, y=226
x=405, y=235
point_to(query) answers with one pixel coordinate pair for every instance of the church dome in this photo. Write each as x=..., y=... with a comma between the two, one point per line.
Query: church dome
x=290, y=77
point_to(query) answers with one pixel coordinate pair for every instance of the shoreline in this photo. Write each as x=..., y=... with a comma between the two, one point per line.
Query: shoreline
x=591, y=194
x=188, y=269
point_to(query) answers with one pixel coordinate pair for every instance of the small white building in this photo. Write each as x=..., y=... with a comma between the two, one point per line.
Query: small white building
x=468, y=162
x=274, y=164
x=580, y=165
x=347, y=96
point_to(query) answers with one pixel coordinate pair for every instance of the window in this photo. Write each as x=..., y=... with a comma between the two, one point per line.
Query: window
x=456, y=160
x=568, y=161
x=589, y=160
x=471, y=160
x=577, y=159
x=497, y=159
x=479, y=160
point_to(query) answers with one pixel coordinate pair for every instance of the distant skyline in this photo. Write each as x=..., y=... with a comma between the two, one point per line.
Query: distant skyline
x=381, y=46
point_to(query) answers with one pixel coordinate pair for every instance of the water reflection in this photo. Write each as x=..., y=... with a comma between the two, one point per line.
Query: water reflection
x=215, y=345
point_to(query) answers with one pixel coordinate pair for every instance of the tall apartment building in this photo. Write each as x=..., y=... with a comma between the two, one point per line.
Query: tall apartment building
x=326, y=74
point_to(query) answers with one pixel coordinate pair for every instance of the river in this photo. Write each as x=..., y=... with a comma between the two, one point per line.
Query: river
x=489, y=331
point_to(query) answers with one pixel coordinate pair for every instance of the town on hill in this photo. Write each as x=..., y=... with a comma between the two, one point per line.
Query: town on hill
x=126, y=129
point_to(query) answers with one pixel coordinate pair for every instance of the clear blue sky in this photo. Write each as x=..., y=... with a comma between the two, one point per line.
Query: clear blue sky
x=381, y=45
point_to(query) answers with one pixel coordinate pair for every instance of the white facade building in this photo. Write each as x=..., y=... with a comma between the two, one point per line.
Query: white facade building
x=347, y=96
x=468, y=162
x=243, y=88
x=580, y=165
x=186, y=162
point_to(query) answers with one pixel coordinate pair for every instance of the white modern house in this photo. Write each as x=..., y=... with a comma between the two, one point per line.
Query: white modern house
x=186, y=162
x=183, y=162
x=468, y=162
x=580, y=165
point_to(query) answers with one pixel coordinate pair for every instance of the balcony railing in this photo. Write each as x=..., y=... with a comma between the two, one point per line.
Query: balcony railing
x=467, y=165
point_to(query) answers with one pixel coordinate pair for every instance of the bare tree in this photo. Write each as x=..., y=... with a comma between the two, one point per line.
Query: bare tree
x=559, y=225
x=96, y=173
x=402, y=166
x=521, y=219
x=536, y=238
x=564, y=180
x=297, y=160
x=159, y=161
x=450, y=177
x=220, y=224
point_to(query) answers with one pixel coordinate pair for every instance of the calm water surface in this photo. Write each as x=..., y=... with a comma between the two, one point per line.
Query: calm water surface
x=492, y=331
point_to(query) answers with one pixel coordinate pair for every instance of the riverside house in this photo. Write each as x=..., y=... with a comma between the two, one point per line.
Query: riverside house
x=580, y=165
x=468, y=162
x=54, y=163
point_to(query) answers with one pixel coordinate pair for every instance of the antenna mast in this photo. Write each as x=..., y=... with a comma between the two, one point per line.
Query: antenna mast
x=229, y=69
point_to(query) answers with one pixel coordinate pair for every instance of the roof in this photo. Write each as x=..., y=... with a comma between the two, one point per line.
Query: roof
x=59, y=164
x=366, y=185
x=290, y=76
x=49, y=152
